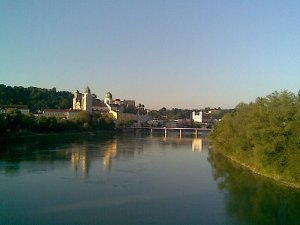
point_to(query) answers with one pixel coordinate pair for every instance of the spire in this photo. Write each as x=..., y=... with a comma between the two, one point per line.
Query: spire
x=87, y=90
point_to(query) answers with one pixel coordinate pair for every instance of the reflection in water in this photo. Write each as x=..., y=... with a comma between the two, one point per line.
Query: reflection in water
x=197, y=145
x=252, y=199
x=81, y=156
x=157, y=177
x=80, y=159
x=195, y=141
x=110, y=153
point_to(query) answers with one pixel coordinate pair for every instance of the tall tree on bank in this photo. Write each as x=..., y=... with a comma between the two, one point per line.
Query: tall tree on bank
x=263, y=135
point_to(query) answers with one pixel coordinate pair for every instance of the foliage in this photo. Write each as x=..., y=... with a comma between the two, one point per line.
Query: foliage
x=171, y=114
x=15, y=123
x=263, y=135
x=35, y=98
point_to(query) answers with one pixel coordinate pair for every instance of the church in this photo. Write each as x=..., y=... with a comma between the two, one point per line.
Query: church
x=89, y=102
x=115, y=108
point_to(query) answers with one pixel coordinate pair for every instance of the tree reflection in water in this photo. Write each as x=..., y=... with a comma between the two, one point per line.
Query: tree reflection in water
x=252, y=199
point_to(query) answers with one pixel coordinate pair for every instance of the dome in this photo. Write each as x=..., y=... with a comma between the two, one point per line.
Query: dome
x=108, y=95
x=87, y=89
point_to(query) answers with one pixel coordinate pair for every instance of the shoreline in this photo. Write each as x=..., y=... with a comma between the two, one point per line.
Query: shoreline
x=58, y=134
x=255, y=171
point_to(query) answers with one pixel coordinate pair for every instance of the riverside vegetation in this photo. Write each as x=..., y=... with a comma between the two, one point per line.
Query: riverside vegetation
x=14, y=123
x=264, y=136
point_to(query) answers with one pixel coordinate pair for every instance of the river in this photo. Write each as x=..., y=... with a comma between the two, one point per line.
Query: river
x=134, y=179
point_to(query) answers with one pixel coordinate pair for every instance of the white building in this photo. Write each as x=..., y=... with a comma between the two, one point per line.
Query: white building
x=22, y=108
x=57, y=113
x=83, y=101
x=197, y=117
x=87, y=100
x=61, y=113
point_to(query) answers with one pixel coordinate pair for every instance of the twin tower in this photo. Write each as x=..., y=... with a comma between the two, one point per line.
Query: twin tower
x=85, y=101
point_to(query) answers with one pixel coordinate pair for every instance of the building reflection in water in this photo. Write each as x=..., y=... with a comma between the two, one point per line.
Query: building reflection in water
x=196, y=142
x=110, y=153
x=80, y=159
x=81, y=156
x=197, y=145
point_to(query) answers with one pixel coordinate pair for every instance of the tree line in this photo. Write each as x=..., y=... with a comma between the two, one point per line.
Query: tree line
x=14, y=123
x=263, y=135
x=35, y=98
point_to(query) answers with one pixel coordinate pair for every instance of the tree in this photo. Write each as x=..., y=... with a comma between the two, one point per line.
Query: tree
x=263, y=135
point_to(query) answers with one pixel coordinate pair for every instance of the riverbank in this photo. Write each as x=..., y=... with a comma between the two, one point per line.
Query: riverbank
x=263, y=136
x=278, y=179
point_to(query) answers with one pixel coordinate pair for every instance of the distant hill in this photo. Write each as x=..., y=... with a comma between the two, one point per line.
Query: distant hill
x=35, y=98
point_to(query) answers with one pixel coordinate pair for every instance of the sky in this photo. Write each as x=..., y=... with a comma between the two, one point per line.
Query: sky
x=162, y=53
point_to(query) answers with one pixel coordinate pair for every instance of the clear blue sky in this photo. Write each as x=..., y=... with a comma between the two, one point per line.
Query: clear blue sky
x=185, y=54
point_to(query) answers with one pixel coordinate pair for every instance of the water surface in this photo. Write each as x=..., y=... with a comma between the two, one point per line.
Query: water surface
x=134, y=179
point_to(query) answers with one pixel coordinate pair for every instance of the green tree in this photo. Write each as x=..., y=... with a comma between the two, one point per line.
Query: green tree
x=263, y=135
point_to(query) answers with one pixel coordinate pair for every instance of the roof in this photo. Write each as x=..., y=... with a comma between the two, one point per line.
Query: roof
x=74, y=110
x=99, y=103
x=56, y=110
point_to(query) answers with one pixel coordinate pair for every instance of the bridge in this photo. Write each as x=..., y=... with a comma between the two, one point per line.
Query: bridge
x=196, y=131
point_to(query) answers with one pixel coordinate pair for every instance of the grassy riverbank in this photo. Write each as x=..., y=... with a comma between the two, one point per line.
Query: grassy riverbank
x=263, y=136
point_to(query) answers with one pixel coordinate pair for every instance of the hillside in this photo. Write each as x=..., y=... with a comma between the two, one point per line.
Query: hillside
x=35, y=98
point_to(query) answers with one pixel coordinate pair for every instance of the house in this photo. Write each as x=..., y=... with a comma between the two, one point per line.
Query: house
x=57, y=113
x=22, y=108
x=72, y=113
x=197, y=117
x=61, y=113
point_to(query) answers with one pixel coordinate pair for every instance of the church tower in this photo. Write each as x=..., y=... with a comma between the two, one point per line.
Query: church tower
x=77, y=100
x=108, y=98
x=87, y=100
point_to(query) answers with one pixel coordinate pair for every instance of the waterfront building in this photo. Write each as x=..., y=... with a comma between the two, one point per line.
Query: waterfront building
x=57, y=113
x=61, y=113
x=99, y=106
x=83, y=101
x=108, y=98
x=22, y=108
x=113, y=108
x=87, y=100
x=197, y=117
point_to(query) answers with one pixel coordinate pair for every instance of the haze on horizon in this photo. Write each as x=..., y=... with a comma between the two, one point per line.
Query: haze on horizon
x=173, y=53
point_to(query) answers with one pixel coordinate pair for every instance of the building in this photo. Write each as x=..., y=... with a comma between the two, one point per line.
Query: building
x=99, y=106
x=88, y=102
x=72, y=113
x=83, y=101
x=61, y=113
x=108, y=98
x=114, y=108
x=57, y=113
x=197, y=117
x=128, y=103
x=22, y=108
